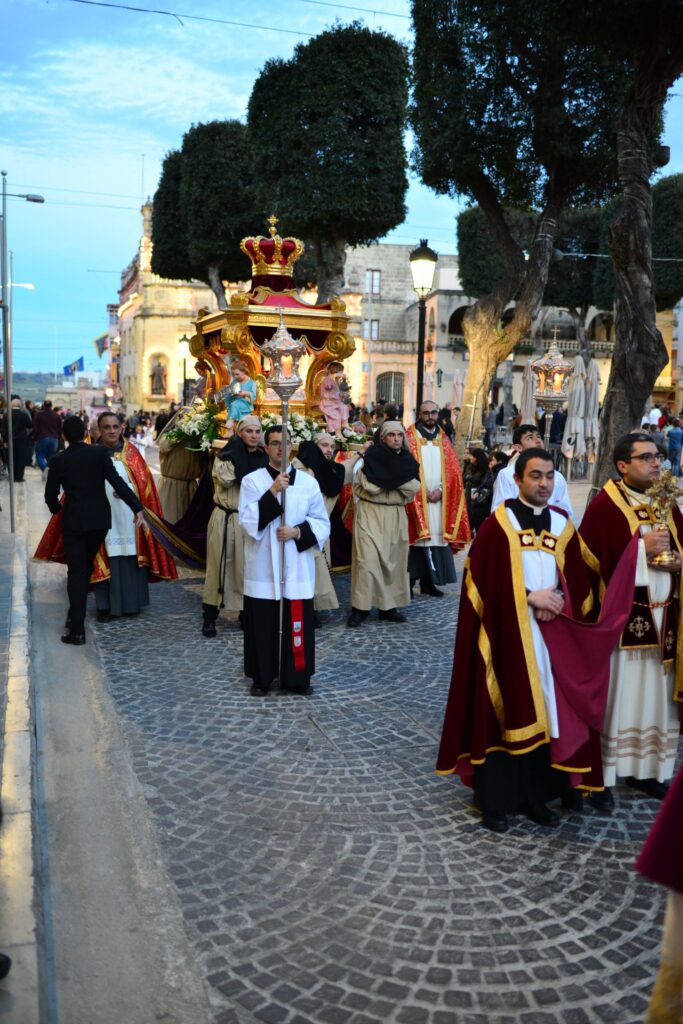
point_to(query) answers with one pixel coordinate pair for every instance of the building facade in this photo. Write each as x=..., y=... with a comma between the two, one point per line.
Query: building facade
x=150, y=359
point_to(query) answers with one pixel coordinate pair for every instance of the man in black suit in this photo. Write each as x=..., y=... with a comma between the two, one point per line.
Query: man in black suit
x=81, y=471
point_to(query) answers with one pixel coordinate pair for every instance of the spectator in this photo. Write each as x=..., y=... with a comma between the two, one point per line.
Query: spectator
x=47, y=426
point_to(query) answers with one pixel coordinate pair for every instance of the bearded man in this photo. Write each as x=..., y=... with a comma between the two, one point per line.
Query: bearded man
x=437, y=515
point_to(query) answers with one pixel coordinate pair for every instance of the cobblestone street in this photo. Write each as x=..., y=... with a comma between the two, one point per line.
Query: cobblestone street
x=326, y=875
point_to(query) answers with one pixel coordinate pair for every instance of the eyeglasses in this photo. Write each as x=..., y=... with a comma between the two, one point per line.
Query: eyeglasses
x=647, y=457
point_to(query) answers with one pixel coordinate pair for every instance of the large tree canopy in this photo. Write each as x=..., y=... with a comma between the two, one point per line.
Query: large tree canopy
x=328, y=127
x=510, y=111
x=204, y=206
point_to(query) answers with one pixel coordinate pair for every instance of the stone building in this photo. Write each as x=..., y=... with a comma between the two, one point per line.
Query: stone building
x=155, y=321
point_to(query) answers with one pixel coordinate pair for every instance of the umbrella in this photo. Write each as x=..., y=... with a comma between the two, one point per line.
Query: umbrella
x=458, y=389
x=591, y=426
x=573, y=443
x=527, y=405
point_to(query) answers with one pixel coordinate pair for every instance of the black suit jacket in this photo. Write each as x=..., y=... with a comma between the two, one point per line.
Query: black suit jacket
x=80, y=472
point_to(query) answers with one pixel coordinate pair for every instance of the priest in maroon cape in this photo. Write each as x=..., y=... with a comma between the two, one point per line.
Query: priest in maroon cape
x=513, y=731
x=642, y=723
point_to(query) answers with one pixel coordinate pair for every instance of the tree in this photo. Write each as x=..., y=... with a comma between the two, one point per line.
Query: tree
x=204, y=206
x=572, y=270
x=327, y=127
x=509, y=111
x=169, y=253
x=648, y=38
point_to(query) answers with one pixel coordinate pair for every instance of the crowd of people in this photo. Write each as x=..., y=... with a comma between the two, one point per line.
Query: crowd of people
x=37, y=432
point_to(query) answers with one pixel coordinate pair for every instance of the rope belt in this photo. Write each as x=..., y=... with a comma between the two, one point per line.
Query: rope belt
x=654, y=604
x=223, y=562
x=388, y=504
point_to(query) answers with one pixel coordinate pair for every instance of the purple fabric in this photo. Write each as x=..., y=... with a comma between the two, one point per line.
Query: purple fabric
x=661, y=858
x=580, y=655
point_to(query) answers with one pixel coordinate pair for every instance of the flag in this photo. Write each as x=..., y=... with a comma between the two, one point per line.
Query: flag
x=72, y=368
x=101, y=344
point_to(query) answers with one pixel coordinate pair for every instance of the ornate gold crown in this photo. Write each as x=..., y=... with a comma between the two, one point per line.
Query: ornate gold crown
x=273, y=256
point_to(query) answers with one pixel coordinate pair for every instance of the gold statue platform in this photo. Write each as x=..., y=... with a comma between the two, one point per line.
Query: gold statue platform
x=240, y=331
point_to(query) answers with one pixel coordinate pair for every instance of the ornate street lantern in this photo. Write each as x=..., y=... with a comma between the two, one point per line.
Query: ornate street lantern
x=552, y=371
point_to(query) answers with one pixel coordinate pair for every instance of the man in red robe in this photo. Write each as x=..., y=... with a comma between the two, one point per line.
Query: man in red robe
x=504, y=724
x=437, y=515
x=641, y=729
x=129, y=543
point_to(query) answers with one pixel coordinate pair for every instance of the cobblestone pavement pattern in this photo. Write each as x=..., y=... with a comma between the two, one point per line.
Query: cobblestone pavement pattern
x=327, y=876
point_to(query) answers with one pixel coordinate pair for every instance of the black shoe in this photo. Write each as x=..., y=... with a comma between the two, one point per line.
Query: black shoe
x=5, y=964
x=393, y=615
x=429, y=590
x=494, y=824
x=103, y=615
x=356, y=618
x=317, y=621
x=302, y=691
x=572, y=800
x=650, y=787
x=258, y=691
x=541, y=815
x=602, y=801
x=209, y=628
x=67, y=622
x=73, y=638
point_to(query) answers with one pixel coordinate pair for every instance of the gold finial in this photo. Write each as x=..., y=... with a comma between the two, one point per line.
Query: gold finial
x=272, y=220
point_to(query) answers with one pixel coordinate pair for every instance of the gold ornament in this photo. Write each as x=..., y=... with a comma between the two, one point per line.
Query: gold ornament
x=664, y=495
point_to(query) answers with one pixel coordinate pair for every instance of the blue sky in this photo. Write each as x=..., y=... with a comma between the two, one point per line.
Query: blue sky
x=92, y=98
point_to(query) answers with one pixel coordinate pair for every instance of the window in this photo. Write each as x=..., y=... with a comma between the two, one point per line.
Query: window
x=373, y=282
x=371, y=330
x=390, y=387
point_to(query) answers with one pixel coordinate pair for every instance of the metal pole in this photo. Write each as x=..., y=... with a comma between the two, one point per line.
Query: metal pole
x=7, y=349
x=421, y=317
x=283, y=469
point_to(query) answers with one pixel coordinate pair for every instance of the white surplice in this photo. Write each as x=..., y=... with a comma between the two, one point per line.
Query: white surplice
x=262, y=548
x=120, y=540
x=540, y=571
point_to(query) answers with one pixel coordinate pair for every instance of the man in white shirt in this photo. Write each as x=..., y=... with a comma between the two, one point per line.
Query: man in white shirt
x=527, y=436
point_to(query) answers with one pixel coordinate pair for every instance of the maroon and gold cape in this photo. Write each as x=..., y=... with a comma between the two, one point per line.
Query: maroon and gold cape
x=495, y=700
x=456, y=525
x=609, y=523
x=159, y=564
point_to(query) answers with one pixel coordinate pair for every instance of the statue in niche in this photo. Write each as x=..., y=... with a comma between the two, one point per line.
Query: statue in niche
x=158, y=378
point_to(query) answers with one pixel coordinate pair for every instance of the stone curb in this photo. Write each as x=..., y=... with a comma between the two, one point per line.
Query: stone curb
x=20, y=992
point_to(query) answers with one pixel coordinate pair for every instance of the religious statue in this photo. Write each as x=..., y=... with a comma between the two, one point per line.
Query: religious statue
x=158, y=378
x=241, y=394
x=331, y=404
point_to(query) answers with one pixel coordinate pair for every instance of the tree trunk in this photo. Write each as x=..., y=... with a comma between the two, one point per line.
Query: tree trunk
x=585, y=346
x=330, y=260
x=639, y=350
x=488, y=343
x=216, y=285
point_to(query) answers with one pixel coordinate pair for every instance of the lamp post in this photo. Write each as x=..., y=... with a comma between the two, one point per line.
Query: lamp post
x=186, y=389
x=552, y=371
x=422, y=266
x=6, y=333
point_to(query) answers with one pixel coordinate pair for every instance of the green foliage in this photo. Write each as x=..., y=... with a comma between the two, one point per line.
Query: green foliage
x=570, y=282
x=216, y=196
x=328, y=129
x=513, y=99
x=169, y=254
x=667, y=239
x=480, y=263
x=203, y=206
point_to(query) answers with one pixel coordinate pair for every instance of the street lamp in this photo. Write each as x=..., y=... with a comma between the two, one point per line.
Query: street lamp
x=6, y=334
x=186, y=383
x=422, y=266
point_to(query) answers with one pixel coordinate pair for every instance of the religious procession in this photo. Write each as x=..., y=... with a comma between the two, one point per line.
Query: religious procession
x=566, y=682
